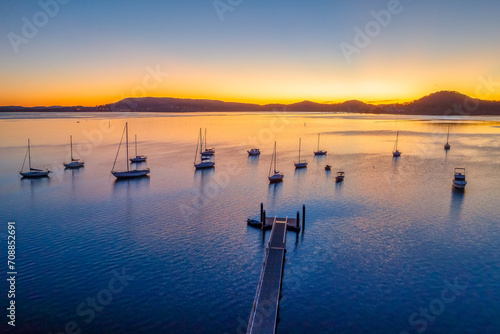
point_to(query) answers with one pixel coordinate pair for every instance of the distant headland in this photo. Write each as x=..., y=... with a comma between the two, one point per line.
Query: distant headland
x=444, y=103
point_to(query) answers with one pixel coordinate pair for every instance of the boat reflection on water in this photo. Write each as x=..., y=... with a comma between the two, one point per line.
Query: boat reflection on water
x=128, y=183
x=456, y=204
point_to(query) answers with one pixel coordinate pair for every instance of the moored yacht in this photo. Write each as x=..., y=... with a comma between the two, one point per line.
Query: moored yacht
x=32, y=172
x=75, y=163
x=128, y=173
x=276, y=176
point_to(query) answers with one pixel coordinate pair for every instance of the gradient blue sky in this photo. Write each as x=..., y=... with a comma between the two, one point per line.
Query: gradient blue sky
x=94, y=52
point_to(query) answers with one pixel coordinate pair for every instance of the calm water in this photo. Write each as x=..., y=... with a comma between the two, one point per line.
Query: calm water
x=377, y=250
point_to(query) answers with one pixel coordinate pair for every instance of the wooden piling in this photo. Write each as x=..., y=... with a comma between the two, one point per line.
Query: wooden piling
x=303, y=217
x=261, y=212
x=298, y=220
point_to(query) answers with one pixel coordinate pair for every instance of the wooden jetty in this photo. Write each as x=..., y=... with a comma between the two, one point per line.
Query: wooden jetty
x=264, y=314
x=266, y=223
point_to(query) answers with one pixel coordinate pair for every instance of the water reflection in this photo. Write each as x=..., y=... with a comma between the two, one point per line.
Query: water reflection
x=300, y=173
x=34, y=183
x=204, y=175
x=319, y=159
x=457, y=201
x=274, y=190
x=338, y=186
x=131, y=184
x=253, y=160
x=73, y=172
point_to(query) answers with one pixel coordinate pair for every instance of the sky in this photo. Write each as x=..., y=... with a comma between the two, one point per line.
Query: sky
x=69, y=52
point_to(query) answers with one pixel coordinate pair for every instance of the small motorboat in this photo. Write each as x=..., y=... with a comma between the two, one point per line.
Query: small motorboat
x=254, y=151
x=328, y=167
x=340, y=177
x=459, y=179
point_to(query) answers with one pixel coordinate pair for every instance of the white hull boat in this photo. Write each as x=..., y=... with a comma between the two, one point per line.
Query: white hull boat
x=459, y=179
x=205, y=160
x=75, y=163
x=300, y=164
x=138, y=158
x=128, y=174
x=276, y=176
x=33, y=173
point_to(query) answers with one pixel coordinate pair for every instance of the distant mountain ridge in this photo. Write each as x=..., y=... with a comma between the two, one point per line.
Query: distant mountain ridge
x=439, y=103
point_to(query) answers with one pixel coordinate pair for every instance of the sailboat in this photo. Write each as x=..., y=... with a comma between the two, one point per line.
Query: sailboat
x=396, y=153
x=447, y=146
x=320, y=152
x=207, y=151
x=138, y=158
x=206, y=161
x=75, y=163
x=276, y=177
x=33, y=172
x=300, y=164
x=127, y=174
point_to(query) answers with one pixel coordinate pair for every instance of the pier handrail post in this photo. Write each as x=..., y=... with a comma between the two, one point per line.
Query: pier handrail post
x=303, y=217
x=261, y=211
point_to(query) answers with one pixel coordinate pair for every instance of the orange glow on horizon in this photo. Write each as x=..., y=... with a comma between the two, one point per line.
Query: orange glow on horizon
x=91, y=101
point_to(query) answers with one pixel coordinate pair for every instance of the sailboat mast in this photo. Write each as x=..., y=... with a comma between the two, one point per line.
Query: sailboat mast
x=205, y=139
x=318, y=141
x=71, y=146
x=448, y=137
x=29, y=153
x=136, y=145
x=299, y=148
x=196, y=153
x=397, y=137
x=126, y=131
x=274, y=157
x=201, y=142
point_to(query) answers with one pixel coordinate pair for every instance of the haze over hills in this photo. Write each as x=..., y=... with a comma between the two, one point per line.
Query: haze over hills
x=439, y=103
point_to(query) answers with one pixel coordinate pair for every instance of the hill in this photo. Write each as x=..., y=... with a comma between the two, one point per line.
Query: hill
x=439, y=103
